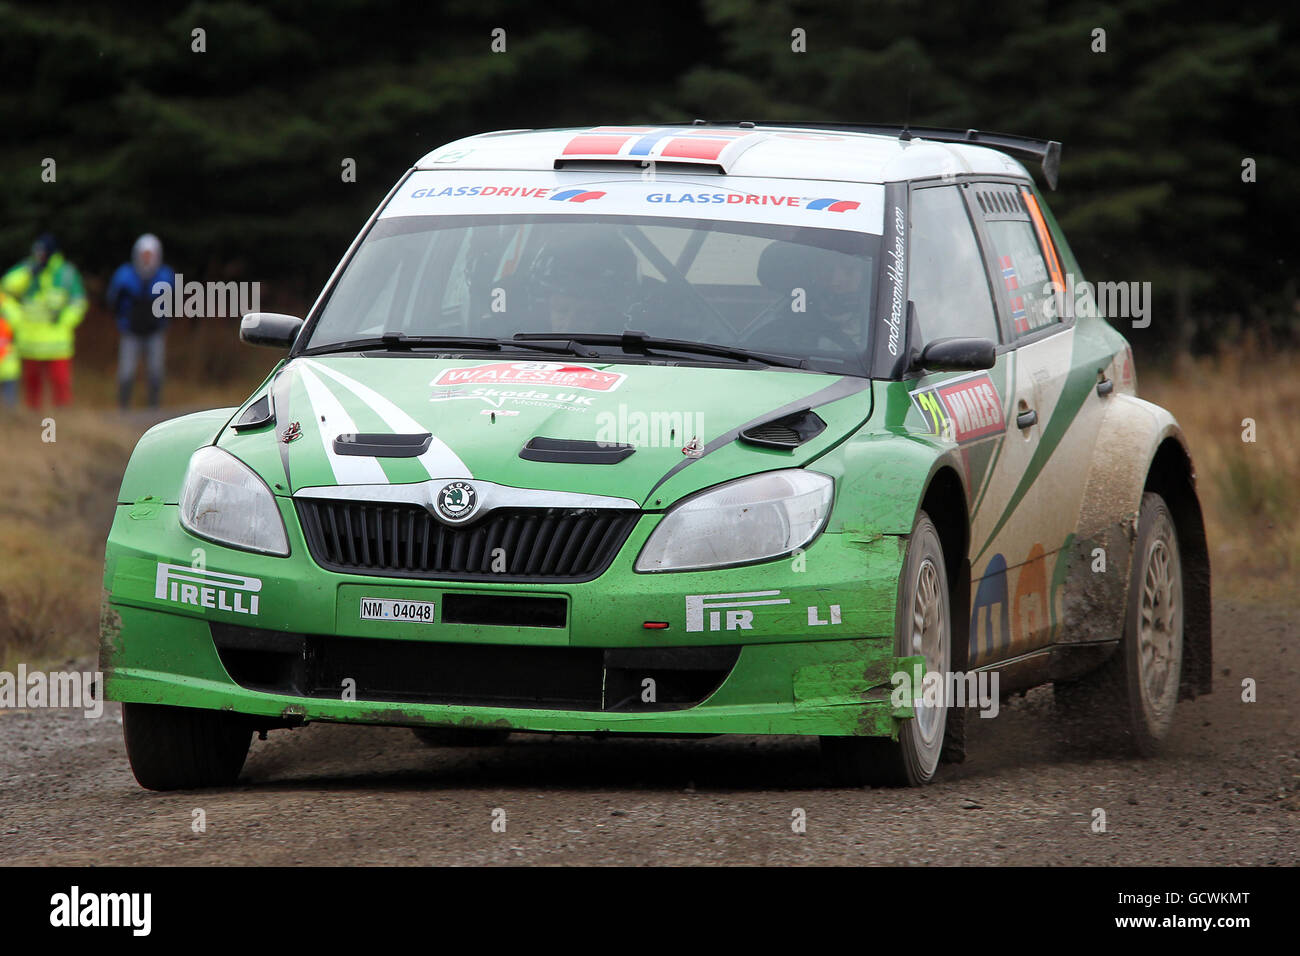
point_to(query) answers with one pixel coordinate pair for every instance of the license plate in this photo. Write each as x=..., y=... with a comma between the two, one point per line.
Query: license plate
x=406, y=612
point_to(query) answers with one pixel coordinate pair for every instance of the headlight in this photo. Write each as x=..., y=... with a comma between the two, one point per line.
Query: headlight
x=225, y=501
x=753, y=519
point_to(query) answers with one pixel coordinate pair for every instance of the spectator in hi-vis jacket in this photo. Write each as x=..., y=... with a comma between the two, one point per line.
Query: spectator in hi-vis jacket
x=46, y=304
x=133, y=294
x=10, y=364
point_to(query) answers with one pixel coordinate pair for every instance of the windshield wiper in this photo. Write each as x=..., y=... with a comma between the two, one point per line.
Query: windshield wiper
x=401, y=342
x=635, y=342
x=557, y=343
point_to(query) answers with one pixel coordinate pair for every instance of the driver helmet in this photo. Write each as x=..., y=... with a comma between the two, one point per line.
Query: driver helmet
x=832, y=281
x=583, y=281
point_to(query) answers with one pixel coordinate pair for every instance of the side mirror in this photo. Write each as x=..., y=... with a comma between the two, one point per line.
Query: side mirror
x=958, y=355
x=273, y=329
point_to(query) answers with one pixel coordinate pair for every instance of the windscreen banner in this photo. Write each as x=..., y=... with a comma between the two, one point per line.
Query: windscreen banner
x=817, y=204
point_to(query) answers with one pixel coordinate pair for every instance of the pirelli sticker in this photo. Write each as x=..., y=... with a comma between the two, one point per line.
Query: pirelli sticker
x=962, y=409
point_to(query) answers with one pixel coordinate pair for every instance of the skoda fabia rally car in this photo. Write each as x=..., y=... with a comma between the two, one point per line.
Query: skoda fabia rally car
x=707, y=429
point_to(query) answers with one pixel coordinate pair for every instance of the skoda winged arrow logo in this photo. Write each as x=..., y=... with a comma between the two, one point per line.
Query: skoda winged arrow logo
x=456, y=501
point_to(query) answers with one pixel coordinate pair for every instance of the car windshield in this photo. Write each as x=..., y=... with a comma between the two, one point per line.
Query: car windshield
x=781, y=289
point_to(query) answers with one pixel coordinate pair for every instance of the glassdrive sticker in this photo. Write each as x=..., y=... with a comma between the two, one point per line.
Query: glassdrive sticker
x=445, y=191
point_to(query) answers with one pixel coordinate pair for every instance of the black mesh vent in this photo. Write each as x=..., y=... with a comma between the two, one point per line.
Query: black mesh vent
x=485, y=675
x=774, y=432
x=785, y=433
x=405, y=540
x=1002, y=203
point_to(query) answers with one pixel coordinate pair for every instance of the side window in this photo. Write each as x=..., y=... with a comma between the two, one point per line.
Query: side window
x=1026, y=276
x=947, y=280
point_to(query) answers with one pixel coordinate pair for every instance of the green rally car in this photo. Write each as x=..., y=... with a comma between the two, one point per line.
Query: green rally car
x=706, y=429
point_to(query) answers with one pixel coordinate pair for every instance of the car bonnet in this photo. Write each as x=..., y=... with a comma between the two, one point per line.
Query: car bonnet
x=472, y=418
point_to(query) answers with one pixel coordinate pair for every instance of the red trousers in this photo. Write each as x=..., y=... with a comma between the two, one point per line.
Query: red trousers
x=58, y=371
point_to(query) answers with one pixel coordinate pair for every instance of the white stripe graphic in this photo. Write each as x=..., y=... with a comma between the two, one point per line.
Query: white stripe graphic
x=440, y=461
x=348, y=469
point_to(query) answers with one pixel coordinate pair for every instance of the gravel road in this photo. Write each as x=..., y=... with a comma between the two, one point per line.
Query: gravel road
x=1227, y=791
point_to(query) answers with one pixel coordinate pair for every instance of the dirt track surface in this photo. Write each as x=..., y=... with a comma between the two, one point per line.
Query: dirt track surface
x=1227, y=791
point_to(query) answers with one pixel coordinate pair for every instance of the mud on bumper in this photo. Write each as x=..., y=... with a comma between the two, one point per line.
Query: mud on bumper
x=533, y=657
x=838, y=687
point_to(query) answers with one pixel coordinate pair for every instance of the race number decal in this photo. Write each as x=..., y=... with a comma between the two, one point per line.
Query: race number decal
x=961, y=410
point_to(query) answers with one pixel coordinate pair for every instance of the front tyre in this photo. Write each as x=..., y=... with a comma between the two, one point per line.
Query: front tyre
x=924, y=628
x=181, y=748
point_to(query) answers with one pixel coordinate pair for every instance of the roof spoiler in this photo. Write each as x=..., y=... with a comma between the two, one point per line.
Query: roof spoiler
x=1046, y=151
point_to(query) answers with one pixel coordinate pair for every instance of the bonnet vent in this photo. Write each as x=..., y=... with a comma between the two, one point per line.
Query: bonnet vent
x=785, y=433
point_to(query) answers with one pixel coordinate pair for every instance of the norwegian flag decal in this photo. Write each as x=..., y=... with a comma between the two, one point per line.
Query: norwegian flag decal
x=1009, y=274
x=1018, y=315
x=663, y=143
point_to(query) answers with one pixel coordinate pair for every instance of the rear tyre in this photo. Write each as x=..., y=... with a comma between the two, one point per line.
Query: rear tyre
x=460, y=736
x=1130, y=699
x=181, y=748
x=924, y=627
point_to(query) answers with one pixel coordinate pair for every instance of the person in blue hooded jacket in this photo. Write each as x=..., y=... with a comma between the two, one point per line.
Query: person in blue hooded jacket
x=133, y=295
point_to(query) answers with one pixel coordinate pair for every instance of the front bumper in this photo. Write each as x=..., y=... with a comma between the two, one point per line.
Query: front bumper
x=810, y=638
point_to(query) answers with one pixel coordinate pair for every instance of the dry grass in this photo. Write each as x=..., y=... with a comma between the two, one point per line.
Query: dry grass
x=1248, y=490
x=56, y=505
x=56, y=498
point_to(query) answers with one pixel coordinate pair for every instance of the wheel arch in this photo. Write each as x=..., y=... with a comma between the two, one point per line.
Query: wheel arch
x=1140, y=448
x=884, y=480
x=1172, y=475
x=945, y=501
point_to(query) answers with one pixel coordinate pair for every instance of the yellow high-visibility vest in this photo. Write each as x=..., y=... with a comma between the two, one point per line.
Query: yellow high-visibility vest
x=10, y=363
x=44, y=309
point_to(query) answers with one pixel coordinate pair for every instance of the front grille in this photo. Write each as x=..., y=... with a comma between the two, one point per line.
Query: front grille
x=508, y=544
x=485, y=675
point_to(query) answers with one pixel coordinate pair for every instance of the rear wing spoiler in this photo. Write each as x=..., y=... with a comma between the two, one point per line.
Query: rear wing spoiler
x=1046, y=151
